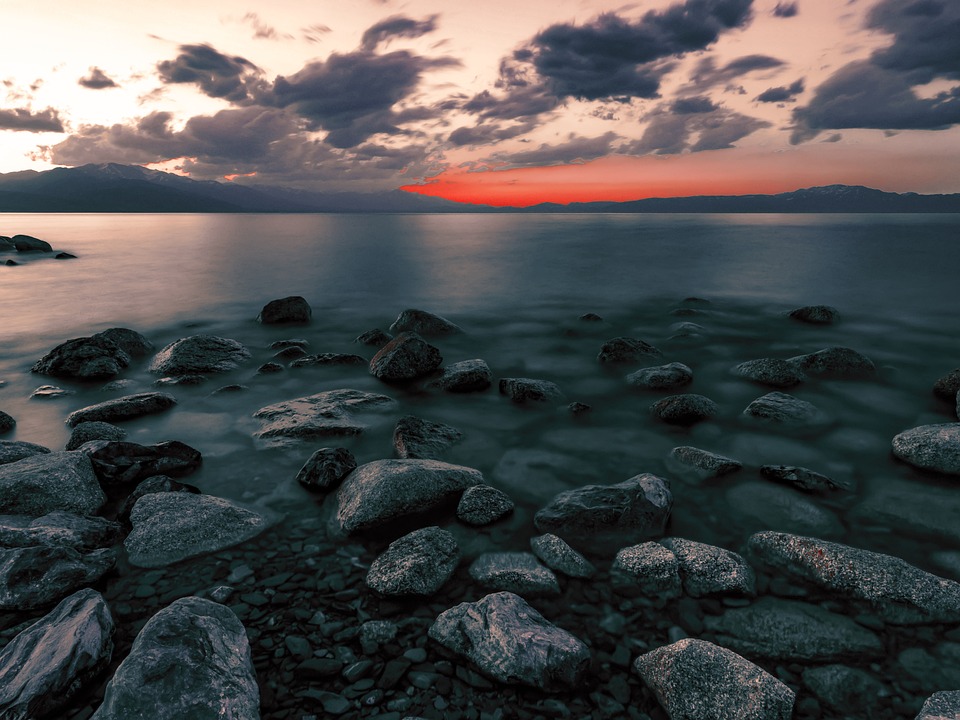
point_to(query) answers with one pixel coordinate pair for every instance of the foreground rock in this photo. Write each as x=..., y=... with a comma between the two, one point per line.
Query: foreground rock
x=407, y=357
x=423, y=323
x=415, y=437
x=516, y=572
x=386, y=490
x=560, y=557
x=836, y=362
x=801, y=478
x=684, y=409
x=13, y=450
x=199, y=354
x=771, y=371
x=948, y=385
x=465, y=376
x=88, y=431
x=58, y=528
x=482, y=505
x=931, y=447
x=417, y=564
x=511, y=642
x=326, y=414
x=38, y=576
x=39, y=484
x=783, y=409
x=697, y=680
x=44, y=666
x=123, y=408
x=707, y=464
x=649, y=568
x=293, y=309
x=103, y=355
x=898, y=592
x=171, y=526
x=326, y=469
x=119, y=465
x=153, y=484
x=28, y=243
x=627, y=350
x=816, y=314
x=522, y=390
x=191, y=660
x=943, y=705
x=709, y=570
x=662, y=377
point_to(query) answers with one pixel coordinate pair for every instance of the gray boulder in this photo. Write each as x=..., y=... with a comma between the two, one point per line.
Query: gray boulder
x=648, y=567
x=94, y=430
x=465, y=376
x=771, y=371
x=710, y=570
x=423, y=323
x=13, y=450
x=560, y=557
x=386, y=490
x=170, y=526
x=58, y=529
x=326, y=469
x=119, y=464
x=123, y=408
x=931, y=447
x=846, y=690
x=86, y=358
x=948, y=385
x=705, y=464
x=374, y=338
x=816, y=314
x=762, y=505
x=191, y=660
x=801, y=478
x=783, y=409
x=627, y=350
x=515, y=572
x=482, y=505
x=415, y=438
x=697, y=680
x=293, y=309
x=326, y=414
x=44, y=666
x=836, y=362
x=153, y=484
x=41, y=483
x=28, y=243
x=511, y=642
x=38, y=576
x=662, y=377
x=199, y=354
x=417, y=564
x=130, y=341
x=684, y=409
x=944, y=705
x=7, y=423
x=407, y=357
x=522, y=390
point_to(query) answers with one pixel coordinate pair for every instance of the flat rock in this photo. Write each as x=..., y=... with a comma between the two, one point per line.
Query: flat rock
x=783, y=409
x=771, y=371
x=407, y=357
x=329, y=359
x=94, y=430
x=123, y=408
x=41, y=483
x=947, y=386
x=560, y=557
x=707, y=464
x=944, y=705
x=511, y=642
x=648, y=567
x=423, y=323
x=685, y=409
x=326, y=469
x=621, y=350
x=709, y=570
x=13, y=450
x=326, y=414
x=662, y=377
x=836, y=362
x=762, y=505
x=191, y=660
x=801, y=478
x=816, y=314
x=515, y=572
x=697, y=680
x=170, y=526
x=417, y=564
x=38, y=576
x=898, y=592
x=415, y=437
x=931, y=447
x=198, y=355
x=45, y=665
x=523, y=390
x=482, y=505
x=119, y=464
x=293, y=309
x=58, y=529
x=153, y=484
x=465, y=376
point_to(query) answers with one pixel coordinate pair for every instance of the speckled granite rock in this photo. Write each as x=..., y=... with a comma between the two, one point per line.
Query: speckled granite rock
x=648, y=567
x=684, y=409
x=710, y=570
x=816, y=314
x=38, y=576
x=465, y=376
x=45, y=482
x=326, y=468
x=627, y=350
x=415, y=437
x=944, y=705
x=836, y=363
x=931, y=447
x=123, y=408
x=407, y=357
x=662, y=377
x=86, y=431
x=707, y=464
x=781, y=408
x=13, y=450
x=516, y=572
x=560, y=557
x=417, y=564
x=199, y=354
x=423, y=323
x=947, y=386
x=326, y=414
x=771, y=371
x=482, y=505
x=522, y=390
x=58, y=528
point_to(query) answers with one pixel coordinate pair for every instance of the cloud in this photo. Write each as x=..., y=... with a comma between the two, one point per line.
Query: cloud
x=314, y=33
x=925, y=34
x=781, y=94
x=698, y=104
x=97, y=79
x=485, y=134
x=26, y=120
x=216, y=74
x=700, y=128
x=785, y=9
x=263, y=31
x=522, y=102
x=396, y=26
x=575, y=150
x=707, y=75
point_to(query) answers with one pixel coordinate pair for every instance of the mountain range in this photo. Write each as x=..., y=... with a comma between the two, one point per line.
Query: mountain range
x=131, y=189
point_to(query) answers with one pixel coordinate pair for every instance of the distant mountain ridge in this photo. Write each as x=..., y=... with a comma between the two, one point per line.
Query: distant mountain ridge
x=133, y=189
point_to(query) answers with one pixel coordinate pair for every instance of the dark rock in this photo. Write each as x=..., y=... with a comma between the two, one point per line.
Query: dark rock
x=86, y=358
x=11, y=263
x=816, y=314
x=836, y=362
x=522, y=390
x=771, y=371
x=932, y=668
x=684, y=409
x=931, y=447
x=326, y=414
x=289, y=343
x=511, y=642
x=709, y=570
x=38, y=576
x=191, y=660
x=578, y=408
x=49, y=392
x=482, y=505
x=326, y=468
x=64, y=256
x=6, y=243
x=171, y=526
x=120, y=464
x=28, y=243
x=943, y=705
x=328, y=359
x=781, y=408
x=607, y=516
x=417, y=564
x=293, y=309
x=515, y=572
x=557, y=555
x=58, y=529
x=801, y=478
x=374, y=338
x=697, y=680
x=232, y=388
x=415, y=438
x=13, y=450
x=45, y=666
x=423, y=323
x=649, y=567
x=627, y=350
x=199, y=354
x=406, y=357
x=760, y=504
x=155, y=484
x=45, y=482
x=181, y=380
x=662, y=377
x=293, y=352
x=270, y=367
x=948, y=386
x=845, y=689
x=465, y=376
x=123, y=408
x=709, y=464
x=7, y=423
x=130, y=341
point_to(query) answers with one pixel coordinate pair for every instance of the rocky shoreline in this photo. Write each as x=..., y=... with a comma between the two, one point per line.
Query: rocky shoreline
x=124, y=589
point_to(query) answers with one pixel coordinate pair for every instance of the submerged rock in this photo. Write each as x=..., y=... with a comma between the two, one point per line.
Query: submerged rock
x=760, y=504
x=771, y=371
x=58, y=529
x=417, y=564
x=784, y=409
x=465, y=376
x=326, y=414
x=415, y=437
x=662, y=377
x=38, y=576
x=515, y=572
x=423, y=323
x=709, y=464
x=709, y=570
x=293, y=309
x=522, y=390
x=39, y=484
x=13, y=450
x=816, y=314
x=84, y=432
x=199, y=354
x=836, y=362
x=801, y=478
x=684, y=409
x=648, y=567
x=482, y=505
x=328, y=359
x=627, y=350
x=407, y=357
x=7, y=423
x=931, y=447
x=511, y=642
x=326, y=468
x=123, y=408
x=560, y=557
x=120, y=464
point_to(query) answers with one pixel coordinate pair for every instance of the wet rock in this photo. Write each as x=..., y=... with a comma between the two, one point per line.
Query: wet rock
x=627, y=350
x=13, y=450
x=386, y=490
x=845, y=689
x=7, y=423
x=482, y=505
x=44, y=666
x=759, y=504
x=417, y=564
x=784, y=409
x=288, y=343
x=465, y=376
x=199, y=354
x=120, y=464
x=941, y=706
x=591, y=317
x=58, y=529
x=662, y=377
x=328, y=359
x=522, y=390
x=85, y=358
x=511, y=642
x=578, y=408
x=771, y=371
x=406, y=357
x=49, y=392
x=123, y=408
x=948, y=385
x=786, y=630
x=155, y=484
x=45, y=482
x=292, y=352
x=709, y=570
x=28, y=243
x=898, y=592
x=423, y=323
x=38, y=576
x=684, y=409
x=697, y=680
x=607, y=516
x=649, y=567
x=816, y=314
x=326, y=468
x=84, y=432
x=415, y=437
x=836, y=362
x=326, y=414
x=269, y=368
x=931, y=447
x=130, y=341
x=801, y=478
x=293, y=309
x=515, y=572
x=171, y=526
x=560, y=557
x=191, y=659
x=707, y=463
x=181, y=380
x=374, y=338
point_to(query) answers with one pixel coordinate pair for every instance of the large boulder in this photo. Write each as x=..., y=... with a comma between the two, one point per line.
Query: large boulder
x=423, y=323
x=326, y=414
x=191, y=660
x=836, y=362
x=783, y=409
x=931, y=447
x=326, y=469
x=44, y=666
x=465, y=376
x=38, y=576
x=710, y=570
x=516, y=572
x=662, y=377
x=86, y=358
x=407, y=357
x=620, y=350
x=199, y=354
x=13, y=450
x=120, y=465
x=28, y=243
x=41, y=483
x=58, y=528
x=293, y=309
x=386, y=490
x=123, y=408
x=511, y=642
x=415, y=437
x=686, y=409
x=130, y=341
x=94, y=430
x=771, y=371
x=697, y=680
x=417, y=564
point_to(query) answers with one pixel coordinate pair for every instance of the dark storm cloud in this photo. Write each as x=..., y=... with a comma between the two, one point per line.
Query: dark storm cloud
x=575, y=150
x=707, y=75
x=698, y=104
x=217, y=75
x=781, y=94
x=396, y=26
x=26, y=120
x=926, y=36
x=97, y=79
x=523, y=102
x=670, y=132
x=785, y=9
x=486, y=134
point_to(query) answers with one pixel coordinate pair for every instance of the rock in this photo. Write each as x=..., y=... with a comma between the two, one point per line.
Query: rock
x=288, y=343
x=171, y=526
x=417, y=564
x=84, y=432
x=931, y=447
x=326, y=468
x=836, y=362
x=326, y=414
x=270, y=367
x=464, y=376
x=291, y=352
x=816, y=314
x=801, y=478
x=931, y=668
x=13, y=450
x=627, y=350
x=191, y=660
x=49, y=392
x=27, y=243
x=697, y=680
x=423, y=323
x=85, y=358
x=684, y=409
x=522, y=390
x=64, y=256
x=771, y=371
x=560, y=557
x=374, y=338
x=328, y=359
x=44, y=666
x=709, y=570
x=7, y=423
x=123, y=408
x=578, y=408
x=154, y=484
x=58, y=529
x=406, y=357
x=943, y=705
x=11, y=263
x=709, y=464
x=845, y=689
x=181, y=380
x=649, y=567
x=784, y=409
x=898, y=592
x=38, y=576
x=759, y=504
x=662, y=377
x=6, y=243
x=199, y=354
x=130, y=341
x=607, y=516
x=511, y=642
x=515, y=572
x=948, y=386
x=120, y=464
x=482, y=505
x=293, y=309
x=41, y=483
x=591, y=317
x=377, y=632
x=414, y=437
x=387, y=490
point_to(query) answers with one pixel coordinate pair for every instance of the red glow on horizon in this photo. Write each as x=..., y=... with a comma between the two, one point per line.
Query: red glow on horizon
x=234, y=176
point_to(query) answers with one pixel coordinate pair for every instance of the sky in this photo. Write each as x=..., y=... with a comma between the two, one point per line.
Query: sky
x=491, y=101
